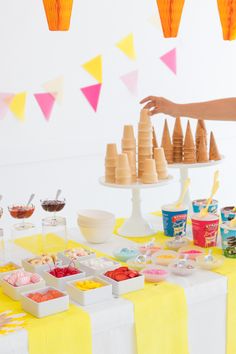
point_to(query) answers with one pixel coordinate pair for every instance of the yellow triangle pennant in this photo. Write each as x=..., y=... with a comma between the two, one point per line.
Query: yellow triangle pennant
x=126, y=45
x=55, y=88
x=17, y=105
x=94, y=68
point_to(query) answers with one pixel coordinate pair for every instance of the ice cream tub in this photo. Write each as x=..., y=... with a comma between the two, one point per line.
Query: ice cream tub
x=174, y=220
x=227, y=213
x=199, y=204
x=205, y=229
x=228, y=240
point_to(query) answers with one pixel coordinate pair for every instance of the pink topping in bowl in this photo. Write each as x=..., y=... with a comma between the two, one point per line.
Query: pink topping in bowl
x=155, y=271
x=191, y=252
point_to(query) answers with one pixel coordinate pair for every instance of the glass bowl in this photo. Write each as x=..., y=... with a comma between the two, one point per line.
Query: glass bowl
x=122, y=254
x=164, y=257
x=154, y=274
x=216, y=262
x=182, y=267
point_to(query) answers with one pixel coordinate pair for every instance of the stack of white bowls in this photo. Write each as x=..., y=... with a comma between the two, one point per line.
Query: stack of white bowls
x=96, y=225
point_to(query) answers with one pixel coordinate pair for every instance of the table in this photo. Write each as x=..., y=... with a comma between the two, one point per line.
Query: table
x=113, y=324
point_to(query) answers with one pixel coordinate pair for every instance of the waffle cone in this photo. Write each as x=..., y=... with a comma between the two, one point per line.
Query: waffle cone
x=128, y=132
x=227, y=12
x=202, y=155
x=214, y=152
x=178, y=132
x=58, y=14
x=188, y=140
x=122, y=161
x=144, y=117
x=111, y=151
x=170, y=13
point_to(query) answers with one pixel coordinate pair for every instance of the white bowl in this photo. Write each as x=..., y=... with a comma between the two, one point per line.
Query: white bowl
x=91, y=296
x=94, y=217
x=98, y=234
x=14, y=292
x=45, y=308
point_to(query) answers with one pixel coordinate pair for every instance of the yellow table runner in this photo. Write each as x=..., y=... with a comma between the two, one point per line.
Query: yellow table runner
x=160, y=309
x=67, y=332
x=228, y=269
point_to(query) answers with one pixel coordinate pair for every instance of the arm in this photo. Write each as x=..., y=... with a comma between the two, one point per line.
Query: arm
x=222, y=109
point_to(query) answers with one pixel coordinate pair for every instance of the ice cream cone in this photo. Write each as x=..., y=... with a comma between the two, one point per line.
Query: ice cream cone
x=128, y=144
x=122, y=161
x=111, y=151
x=177, y=138
x=202, y=155
x=227, y=12
x=110, y=179
x=58, y=14
x=188, y=140
x=154, y=139
x=132, y=163
x=123, y=172
x=170, y=13
x=111, y=162
x=161, y=163
x=166, y=143
x=142, y=134
x=128, y=132
x=149, y=166
x=144, y=116
x=214, y=152
x=177, y=132
x=143, y=150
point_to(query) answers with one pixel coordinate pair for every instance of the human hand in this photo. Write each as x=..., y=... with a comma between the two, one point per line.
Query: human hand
x=157, y=105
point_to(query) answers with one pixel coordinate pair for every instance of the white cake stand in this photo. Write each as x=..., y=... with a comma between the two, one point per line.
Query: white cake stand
x=136, y=225
x=183, y=170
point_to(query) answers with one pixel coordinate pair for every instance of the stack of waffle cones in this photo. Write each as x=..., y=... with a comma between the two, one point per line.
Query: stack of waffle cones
x=166, y=144
x=170, y=13
x=149, y=174
x=123, y=170
x=110, y=163
x=129, y=147
x=178, y=141
x=189, y=151
x=161, y=163
x=201, y=134
x=213, y=152
x=202, y=155
x=144, y=140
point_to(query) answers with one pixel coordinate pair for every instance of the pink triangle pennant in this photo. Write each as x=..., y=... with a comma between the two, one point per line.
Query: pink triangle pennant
x=92, y=94
x=46, y=102
x=5, y=100
x=131, y=81
x=169, y=59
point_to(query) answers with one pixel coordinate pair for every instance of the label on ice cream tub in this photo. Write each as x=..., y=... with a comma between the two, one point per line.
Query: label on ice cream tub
x=174, y=220
x=228, y=240
x=205, y=230
x=199, y=204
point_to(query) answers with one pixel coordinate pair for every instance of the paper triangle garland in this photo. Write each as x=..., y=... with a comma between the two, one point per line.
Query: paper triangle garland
x=126, y=45
x=92, y=94
x=46, y=102
x=94, y=68
x=56, y=88
x=130, y=80
x=169, y=59
x=5, y=100
x=17, y=105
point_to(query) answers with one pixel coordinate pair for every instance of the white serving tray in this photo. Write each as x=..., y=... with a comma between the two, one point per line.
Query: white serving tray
x=125, y=286
x=45, y=308
x=92, y=296
x=91, y=271
x=35, y=268
x=60, y=283
x=66, y=260
x=3, y=274
x=15, y=292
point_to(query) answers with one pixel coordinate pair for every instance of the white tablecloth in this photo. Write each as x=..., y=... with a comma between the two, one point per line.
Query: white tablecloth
x=113, y=322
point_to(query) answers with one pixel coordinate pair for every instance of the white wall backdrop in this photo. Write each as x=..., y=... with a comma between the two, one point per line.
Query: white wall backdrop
x=67, y=152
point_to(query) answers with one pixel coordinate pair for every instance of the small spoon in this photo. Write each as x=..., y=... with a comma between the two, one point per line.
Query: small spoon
x=58, y=194
x=182, y=262
x=30, y=199
x=209, y=257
